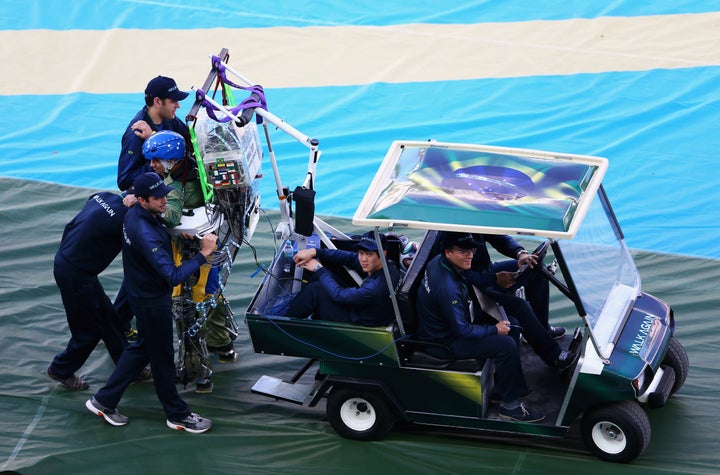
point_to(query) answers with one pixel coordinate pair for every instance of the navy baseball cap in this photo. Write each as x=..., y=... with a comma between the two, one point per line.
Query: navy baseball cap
x=150, y=184
x=461, y=240
x=165, y=88
x=367, y=241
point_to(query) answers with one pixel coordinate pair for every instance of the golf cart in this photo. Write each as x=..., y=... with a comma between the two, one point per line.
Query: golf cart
x=373, y=377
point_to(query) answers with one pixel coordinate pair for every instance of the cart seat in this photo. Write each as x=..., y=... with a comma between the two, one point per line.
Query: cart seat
x=414, y=353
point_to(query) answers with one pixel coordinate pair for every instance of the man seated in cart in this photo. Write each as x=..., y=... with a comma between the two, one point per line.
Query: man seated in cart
x=445, y=315
x=326, y=299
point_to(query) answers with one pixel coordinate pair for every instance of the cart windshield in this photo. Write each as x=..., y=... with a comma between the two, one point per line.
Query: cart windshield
x=604, y=274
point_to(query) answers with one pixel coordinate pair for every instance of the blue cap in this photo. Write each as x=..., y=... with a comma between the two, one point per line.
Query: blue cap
x=150, y=184
x=165, y=88
x=367, y=241
x=461, y=240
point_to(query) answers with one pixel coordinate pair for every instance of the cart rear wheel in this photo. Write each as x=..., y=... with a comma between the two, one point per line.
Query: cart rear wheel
x=616, y=432
x=678, y=360
x=358, y=415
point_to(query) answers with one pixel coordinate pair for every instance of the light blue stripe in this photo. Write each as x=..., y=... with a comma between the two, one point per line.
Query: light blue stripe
x=658, y=128
x=191, y=14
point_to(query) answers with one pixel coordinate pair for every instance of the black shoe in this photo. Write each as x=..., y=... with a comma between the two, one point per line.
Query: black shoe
x=520, y=414
x=557, y=332
x=226, y=353
x=204, y=386
x=144, y=376
x=228, y=357
x=131, y=335
x=566, y=359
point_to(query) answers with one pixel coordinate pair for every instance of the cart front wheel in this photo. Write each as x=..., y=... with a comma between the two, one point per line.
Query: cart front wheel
x=357, y=415
x=616, y=432
x=678, y=360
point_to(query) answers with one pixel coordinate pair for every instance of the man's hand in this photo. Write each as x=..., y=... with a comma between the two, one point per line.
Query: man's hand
x=505, y=279
x=129, y=200
x=142, y=129
x=207, y=244
x=304, y=255
x=530, y=260
x=310, y=264
x=503, y=328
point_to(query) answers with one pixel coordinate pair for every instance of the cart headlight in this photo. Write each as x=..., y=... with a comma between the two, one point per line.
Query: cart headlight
x=643, y=380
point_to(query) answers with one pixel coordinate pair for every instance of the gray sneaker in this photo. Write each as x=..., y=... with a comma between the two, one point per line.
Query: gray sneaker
x=112, y=416
x=72, y=382
x=192, y=423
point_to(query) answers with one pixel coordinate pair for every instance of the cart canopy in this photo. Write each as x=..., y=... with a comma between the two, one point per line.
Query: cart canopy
x=481, y=189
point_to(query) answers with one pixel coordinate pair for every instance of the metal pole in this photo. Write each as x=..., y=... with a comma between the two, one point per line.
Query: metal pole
x=393, y=298
x=272, y=118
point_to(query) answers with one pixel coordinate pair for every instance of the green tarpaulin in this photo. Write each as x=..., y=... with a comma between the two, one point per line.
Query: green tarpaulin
x=45, y=429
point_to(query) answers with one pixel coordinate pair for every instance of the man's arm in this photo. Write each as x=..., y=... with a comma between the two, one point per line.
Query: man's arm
x=481, y=280
x=369, y=292
x=454, y=306
x=153, y=248
x=131, y=162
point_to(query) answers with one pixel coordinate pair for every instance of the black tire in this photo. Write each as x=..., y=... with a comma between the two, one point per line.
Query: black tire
x=358, y=415
x=616, y=432
x=678, y=360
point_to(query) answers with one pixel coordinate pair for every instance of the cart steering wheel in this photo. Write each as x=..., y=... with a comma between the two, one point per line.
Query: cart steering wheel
x=540, y=252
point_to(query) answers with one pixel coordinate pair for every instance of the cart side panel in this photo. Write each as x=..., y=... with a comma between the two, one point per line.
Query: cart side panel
x=445, y=393
x=323, y=340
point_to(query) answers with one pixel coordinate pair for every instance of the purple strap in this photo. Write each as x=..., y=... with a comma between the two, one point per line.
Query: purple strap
x=211, y=108
x=248, y=103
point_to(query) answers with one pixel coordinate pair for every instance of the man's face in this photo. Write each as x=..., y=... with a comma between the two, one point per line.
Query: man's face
x=155, y=206
x=167, y=107
x=369, y=260
x=162, y=167
x=460, y=258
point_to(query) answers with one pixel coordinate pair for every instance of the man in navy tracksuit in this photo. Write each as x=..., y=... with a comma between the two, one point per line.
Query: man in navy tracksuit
x=162, y=100
x=326, y=299
x=497, y=279
x=90, y=242
x=150, y=275
x=445, y=316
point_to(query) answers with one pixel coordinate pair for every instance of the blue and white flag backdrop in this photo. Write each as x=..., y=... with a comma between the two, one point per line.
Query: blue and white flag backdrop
x=636, y=82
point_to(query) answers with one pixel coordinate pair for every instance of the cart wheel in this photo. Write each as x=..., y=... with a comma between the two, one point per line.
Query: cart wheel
x=357, y=415
x=616, y=432
x=678, y=360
